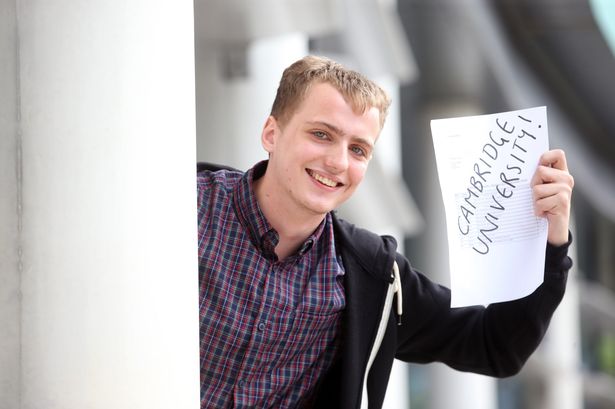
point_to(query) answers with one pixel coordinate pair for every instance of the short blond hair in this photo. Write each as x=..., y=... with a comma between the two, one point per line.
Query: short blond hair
x=360, y=92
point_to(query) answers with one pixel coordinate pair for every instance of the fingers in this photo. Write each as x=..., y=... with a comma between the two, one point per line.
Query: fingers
x=552, y=190
x=552, y=199
x=545, y=174
x=553, y=168
x=555, y=158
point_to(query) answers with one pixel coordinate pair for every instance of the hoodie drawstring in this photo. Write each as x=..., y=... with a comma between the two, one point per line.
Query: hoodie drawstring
x=399, y=298
x=394, y=291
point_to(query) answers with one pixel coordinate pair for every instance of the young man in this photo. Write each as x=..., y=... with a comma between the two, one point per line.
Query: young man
x=301, y=309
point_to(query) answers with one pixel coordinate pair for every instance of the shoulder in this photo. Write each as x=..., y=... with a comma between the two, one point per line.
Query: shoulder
x=215, y=186
x=210, y=175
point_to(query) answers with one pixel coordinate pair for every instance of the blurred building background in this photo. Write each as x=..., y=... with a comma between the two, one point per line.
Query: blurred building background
x=97, y=128
x=445, y=58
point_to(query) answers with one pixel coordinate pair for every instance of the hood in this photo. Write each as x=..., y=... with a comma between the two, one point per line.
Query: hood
x=374, y=253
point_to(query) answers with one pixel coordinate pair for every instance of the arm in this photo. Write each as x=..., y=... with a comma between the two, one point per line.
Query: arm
x=498, y=339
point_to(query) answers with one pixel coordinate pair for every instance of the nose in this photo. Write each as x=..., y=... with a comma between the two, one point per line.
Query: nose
x=337, y=158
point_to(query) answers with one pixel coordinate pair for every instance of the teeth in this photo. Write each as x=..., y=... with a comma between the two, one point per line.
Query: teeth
x=323, y=180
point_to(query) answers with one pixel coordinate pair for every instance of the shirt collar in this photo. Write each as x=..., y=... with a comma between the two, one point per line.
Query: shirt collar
x=262, y=235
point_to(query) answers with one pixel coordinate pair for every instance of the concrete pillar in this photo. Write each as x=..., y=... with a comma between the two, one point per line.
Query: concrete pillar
x=9, y=275
x=561, y=350
x=388, y=152
x=447, y=388
x=109, y=306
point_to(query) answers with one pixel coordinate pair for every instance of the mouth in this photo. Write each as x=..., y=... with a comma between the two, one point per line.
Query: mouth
x=323, y=180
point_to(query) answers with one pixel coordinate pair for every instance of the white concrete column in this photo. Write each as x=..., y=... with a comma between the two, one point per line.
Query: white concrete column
x=561, y=350
x=388, y=152
x=109, y=282
x=449, y=388
x=9, y=275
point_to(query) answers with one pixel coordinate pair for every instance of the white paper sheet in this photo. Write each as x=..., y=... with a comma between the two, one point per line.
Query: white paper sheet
x=485, y=165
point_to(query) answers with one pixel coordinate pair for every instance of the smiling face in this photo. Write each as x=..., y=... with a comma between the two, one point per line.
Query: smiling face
x=320, y=155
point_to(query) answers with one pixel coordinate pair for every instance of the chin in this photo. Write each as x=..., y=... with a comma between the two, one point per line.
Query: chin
x=326, y=208
x=320, y=208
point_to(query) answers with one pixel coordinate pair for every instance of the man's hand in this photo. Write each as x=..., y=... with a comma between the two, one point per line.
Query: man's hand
x=552, y=190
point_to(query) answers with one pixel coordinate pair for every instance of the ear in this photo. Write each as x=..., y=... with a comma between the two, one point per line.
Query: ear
x=269, y=134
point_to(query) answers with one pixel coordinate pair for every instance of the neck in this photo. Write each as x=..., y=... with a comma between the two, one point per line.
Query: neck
x=293, y=225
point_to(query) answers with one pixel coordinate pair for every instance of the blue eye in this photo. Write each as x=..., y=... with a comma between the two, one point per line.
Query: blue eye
x=319, y=134
x=357, y=150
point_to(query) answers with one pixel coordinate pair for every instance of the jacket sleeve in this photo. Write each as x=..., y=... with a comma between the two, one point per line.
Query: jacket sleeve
x=494, y=340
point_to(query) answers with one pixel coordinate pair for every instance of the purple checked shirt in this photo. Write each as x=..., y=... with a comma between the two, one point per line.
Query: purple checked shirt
x=269, y=327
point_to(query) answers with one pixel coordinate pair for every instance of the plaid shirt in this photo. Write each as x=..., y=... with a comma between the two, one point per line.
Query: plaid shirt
x=269, y=328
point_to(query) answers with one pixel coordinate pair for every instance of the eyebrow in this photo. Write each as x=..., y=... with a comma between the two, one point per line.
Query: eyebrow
x=341, y=132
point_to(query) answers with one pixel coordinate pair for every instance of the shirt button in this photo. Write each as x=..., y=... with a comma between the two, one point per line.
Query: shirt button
x=241, y=383
x=261, y=326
